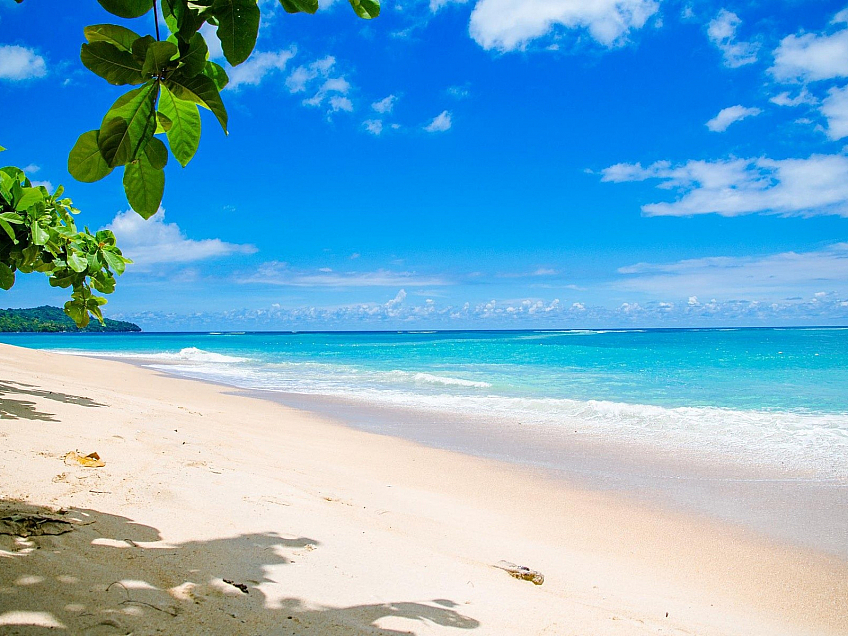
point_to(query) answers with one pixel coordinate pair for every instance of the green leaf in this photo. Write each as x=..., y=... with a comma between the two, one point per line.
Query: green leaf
x=30, y=197
x=77, y=312
x=115, y=35
x=217, y=74
x=201, y=90
x=140, y=46
x=39, y=234
x=2, y=149
x=77, y=262
x=158, y=57
x=103, y=282
x=163, y=124
x=7, y=276
x=144, y=186
x=157, y=153
x=366, y=9
x=238, y=26
x=182, y=19
x=128, y=125
x=86, y=163
x=7, y=228
x=184, y=135
x=298, y=6
x=127, y=8
x=114, y=261
x=111, y=63
x=193, y=61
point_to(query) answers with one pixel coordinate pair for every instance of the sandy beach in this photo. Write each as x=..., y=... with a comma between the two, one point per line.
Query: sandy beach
x=218, y=513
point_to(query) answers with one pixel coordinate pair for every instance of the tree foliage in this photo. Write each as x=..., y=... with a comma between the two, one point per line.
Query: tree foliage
x=171, y=79
x=38, y=234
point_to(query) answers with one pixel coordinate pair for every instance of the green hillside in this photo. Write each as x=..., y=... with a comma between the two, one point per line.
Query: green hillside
x=53, y=319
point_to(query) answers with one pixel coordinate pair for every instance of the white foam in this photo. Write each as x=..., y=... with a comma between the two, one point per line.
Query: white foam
x=188, y=354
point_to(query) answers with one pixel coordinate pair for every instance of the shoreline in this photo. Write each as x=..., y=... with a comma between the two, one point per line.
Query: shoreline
x=790, y=505
x=245, y=484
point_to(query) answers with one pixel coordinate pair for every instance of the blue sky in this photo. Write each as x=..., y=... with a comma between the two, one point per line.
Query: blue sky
x=478, y=164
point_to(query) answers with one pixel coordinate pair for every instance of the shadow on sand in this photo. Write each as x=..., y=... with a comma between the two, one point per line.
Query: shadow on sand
x=109, y=575
x=18, y=409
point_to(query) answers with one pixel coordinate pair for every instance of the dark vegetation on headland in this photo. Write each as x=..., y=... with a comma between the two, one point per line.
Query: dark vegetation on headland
x=52, y=319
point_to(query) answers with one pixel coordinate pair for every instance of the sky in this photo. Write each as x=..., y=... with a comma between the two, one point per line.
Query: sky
x=477, y=164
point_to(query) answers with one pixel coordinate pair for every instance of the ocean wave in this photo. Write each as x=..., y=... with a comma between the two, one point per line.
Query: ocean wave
x=188, y=354
x=429, y=378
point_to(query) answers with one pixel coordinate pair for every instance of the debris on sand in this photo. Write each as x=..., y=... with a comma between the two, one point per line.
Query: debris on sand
x=31, y=525
x=521, y=572
x=92, y=460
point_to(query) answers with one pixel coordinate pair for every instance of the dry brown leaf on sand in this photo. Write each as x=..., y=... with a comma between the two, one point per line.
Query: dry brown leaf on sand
x=92, y=460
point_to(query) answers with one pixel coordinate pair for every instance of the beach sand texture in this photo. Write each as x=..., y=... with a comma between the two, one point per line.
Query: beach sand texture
x=329, y=530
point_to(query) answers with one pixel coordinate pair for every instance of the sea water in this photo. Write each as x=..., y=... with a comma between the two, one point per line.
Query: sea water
x=757, y=396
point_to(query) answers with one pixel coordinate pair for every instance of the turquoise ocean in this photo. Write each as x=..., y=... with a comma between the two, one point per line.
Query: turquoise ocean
x=760, y=396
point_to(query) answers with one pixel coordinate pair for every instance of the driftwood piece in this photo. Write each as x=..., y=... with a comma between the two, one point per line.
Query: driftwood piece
x=521, y=572
x=28, y=525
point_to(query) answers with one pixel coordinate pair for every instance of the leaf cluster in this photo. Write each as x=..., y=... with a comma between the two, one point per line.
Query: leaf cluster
x=174, y=77
x=38, y=234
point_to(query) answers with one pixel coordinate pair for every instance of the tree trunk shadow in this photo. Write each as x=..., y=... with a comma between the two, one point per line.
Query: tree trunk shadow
x=110, y=575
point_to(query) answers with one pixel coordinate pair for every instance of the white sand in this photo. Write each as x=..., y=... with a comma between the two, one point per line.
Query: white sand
x=336, y=531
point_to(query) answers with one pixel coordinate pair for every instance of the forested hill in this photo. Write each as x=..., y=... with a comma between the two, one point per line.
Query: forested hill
x=53, y=319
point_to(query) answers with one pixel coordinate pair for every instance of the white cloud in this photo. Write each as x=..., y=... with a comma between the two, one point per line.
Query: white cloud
x=374, y=126
x=335, y=85
x=835, y=108
x=436, y=5
x=459, y=92
x=731, y=115
x=803, y=97
x=338, y=103
x=790, y=187
x=722, y=33
x=32, y=168
x=19, y=63
x=154, y=241
x=385, y=105
x=440, y=123
x=46, y=184
x=812, y=57
x=260, y=65
x=277, y=273
x=771, y=276
x=213, y=44
x=506, y=25
x=302, y=76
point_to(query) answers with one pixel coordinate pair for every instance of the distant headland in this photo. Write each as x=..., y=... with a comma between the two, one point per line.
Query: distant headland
x=53, y=319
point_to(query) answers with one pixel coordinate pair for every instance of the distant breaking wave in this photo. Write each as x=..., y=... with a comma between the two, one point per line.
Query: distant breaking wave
x=188, y=354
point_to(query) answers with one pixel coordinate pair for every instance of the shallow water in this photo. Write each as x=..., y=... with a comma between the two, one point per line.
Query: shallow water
x=757, y=396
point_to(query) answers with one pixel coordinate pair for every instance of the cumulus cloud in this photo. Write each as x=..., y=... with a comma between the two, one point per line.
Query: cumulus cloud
x=385, y=105
x=817, y=308
x=835, y=109
x=440, y=123
x=812, y=57
x=302, y=76
x=731, y=115
x=19, y=63
x=259, y=66
x=758, y=277
x=790, y=187
x=802, y=98
x=153, y=241
x=374, y=126
x=282, y=274
x=722, y=33
x=506, y=25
